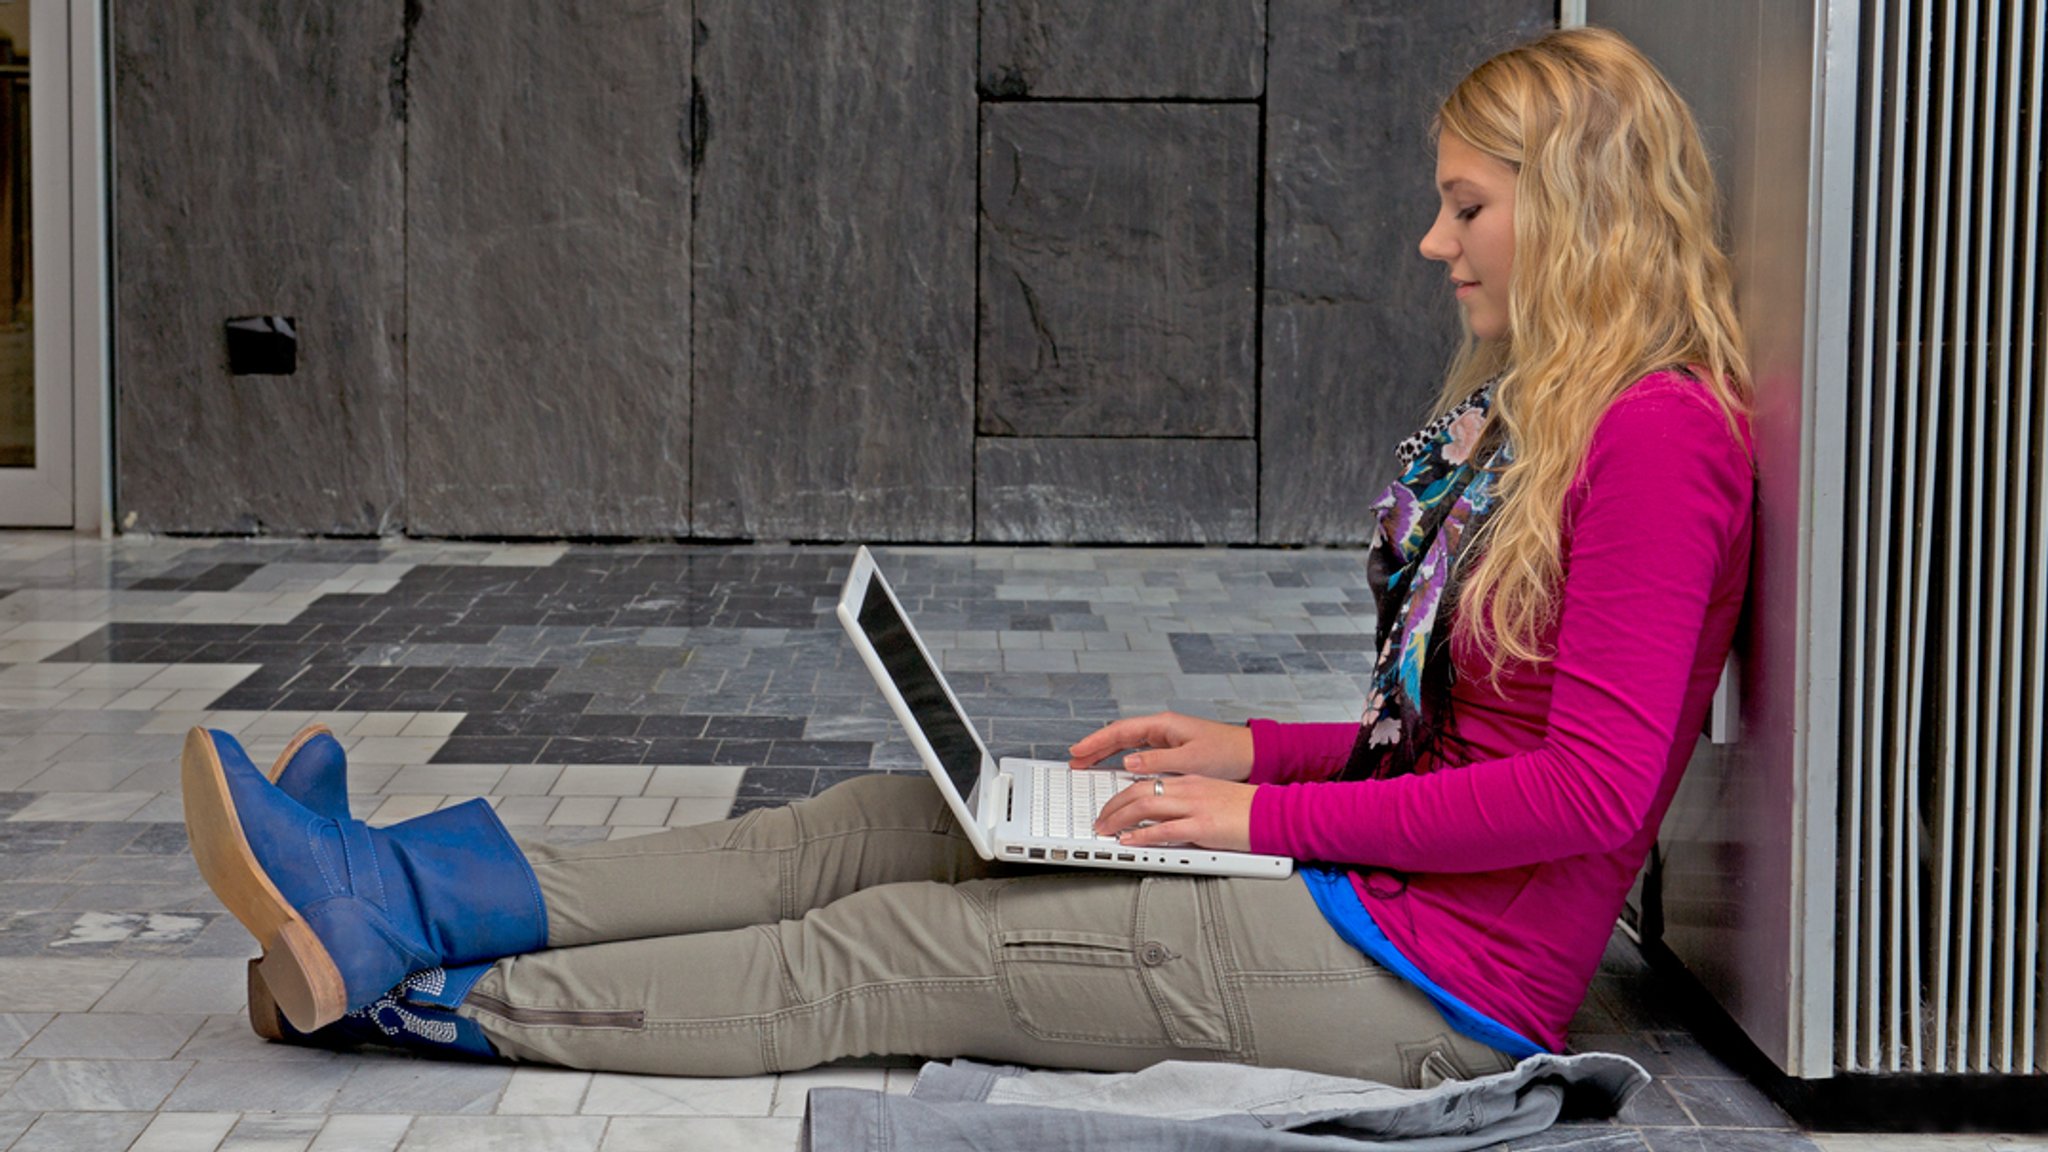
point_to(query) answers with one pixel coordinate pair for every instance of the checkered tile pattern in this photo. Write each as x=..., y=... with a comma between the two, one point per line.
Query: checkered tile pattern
x=587, y=692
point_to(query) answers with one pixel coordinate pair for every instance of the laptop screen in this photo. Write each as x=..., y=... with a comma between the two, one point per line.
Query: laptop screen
x=944, y=728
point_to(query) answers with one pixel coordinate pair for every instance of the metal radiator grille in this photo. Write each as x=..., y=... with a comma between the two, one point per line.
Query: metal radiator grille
x=1946, y=549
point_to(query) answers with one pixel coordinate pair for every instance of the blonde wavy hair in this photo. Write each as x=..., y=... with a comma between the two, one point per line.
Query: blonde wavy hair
x=1618, y=272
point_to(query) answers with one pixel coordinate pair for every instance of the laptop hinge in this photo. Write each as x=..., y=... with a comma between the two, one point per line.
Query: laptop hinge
x=1004, y=795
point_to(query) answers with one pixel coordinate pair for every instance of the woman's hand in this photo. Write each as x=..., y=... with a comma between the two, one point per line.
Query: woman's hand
x=1203, y=805
x=1181, y=810
x=1170, y=742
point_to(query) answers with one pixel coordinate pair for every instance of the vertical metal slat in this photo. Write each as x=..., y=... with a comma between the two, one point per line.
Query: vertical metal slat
x=2001, y=734
x=1903, y=979
x=1885, y=753
x=1959, y=642
x=1944, y=713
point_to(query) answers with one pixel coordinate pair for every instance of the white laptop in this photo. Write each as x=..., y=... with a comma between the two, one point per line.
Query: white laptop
x=1030, y=811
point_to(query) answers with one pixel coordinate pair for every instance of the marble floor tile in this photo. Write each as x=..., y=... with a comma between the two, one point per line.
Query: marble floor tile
x=642, y=812
x=16, y=1028
x=219, y=676
x=585, y=810
x=382, y=1083
x=112, y=1036
x=81, y=776
x=185, y=1132
x=42, y=985
x=527, y=779
x=13, y=1124
x=738, y=1133
x=1726, y=1103
x=613, y=1094
x=380, y=723
x=278, y=1132
x=94, y=1085
x=43, y=746
x=444, y=779
x=394, y=749
x=361, y=1133
x=690, y=810
x=518, y=811
x=433, y=724
x=544, y=1092
x=75, y=1131
x=404, y=807
x=206, y=986
x=601, y=780
x=89, y=806
x=490, y=1134
x=260, y=1085
x=709, y=782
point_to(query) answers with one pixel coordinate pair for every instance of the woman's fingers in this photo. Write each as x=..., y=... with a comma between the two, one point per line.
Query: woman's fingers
x=1115, y=737
x=1115, y=816
x=1181, y=810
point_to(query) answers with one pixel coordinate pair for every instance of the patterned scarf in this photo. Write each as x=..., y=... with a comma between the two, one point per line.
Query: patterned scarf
x=1424, y=519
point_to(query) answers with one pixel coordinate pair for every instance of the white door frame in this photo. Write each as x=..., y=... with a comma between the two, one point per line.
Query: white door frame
x=67, y=171
x=91, y=234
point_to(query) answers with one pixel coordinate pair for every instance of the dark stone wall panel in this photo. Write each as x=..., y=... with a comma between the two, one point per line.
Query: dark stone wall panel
x=1116, y=491
x=1119, y=261
x=258, y=161
x=1328, y=442
x=1120, y=49
x=834, y=292
x=1358, y=326
x=548, y=229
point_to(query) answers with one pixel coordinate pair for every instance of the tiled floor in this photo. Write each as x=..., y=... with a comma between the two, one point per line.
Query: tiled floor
x=588, y=692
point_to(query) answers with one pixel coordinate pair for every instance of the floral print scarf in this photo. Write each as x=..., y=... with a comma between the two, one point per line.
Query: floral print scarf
x=1424, y=519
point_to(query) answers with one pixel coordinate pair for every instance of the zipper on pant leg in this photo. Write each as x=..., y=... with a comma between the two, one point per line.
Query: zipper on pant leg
x=623, y=1018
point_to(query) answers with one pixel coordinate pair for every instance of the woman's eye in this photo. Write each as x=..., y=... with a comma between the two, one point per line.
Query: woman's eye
x=1468, y=213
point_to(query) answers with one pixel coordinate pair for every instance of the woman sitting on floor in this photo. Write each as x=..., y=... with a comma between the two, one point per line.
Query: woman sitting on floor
x=1559, y=569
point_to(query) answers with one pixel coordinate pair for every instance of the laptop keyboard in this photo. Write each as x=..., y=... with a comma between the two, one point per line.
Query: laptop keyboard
x=1064, y=804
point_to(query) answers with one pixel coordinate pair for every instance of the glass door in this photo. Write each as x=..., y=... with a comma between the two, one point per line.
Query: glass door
x=35, y=249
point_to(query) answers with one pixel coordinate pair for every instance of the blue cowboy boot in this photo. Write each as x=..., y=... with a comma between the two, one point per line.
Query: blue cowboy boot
x=345, y=912
x=314, y=771
x=419, y=1014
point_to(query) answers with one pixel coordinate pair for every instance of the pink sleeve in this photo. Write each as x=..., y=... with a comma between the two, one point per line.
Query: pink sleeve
x=1662, y=506
x=1285, y=753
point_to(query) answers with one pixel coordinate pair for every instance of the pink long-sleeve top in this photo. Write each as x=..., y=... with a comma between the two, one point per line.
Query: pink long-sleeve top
x=1518, y=860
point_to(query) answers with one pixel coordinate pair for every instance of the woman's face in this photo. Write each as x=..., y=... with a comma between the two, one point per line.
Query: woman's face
x=1474, y=233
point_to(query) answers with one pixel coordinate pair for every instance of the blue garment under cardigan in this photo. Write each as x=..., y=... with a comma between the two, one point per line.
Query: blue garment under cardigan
x=1338, y=898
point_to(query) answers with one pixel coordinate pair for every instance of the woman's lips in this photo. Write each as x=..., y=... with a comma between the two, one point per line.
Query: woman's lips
x=1464, y=286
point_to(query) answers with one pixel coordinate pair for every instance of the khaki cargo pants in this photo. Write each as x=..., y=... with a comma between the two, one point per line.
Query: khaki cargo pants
x=861, y=922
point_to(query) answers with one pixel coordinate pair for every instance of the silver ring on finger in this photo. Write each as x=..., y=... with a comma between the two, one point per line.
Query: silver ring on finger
x=1158, y=786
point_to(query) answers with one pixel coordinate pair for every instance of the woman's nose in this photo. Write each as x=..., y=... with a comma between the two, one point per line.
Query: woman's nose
x=1435, y=245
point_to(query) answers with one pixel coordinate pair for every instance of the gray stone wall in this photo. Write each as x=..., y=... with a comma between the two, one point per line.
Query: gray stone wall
x=946, y=270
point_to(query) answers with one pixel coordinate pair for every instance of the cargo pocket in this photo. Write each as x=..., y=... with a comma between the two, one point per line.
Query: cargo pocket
x=1109, y=960
x=1438, y=1059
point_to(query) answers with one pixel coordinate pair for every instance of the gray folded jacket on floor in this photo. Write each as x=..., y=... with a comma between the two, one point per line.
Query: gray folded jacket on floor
x=1189, y=1107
